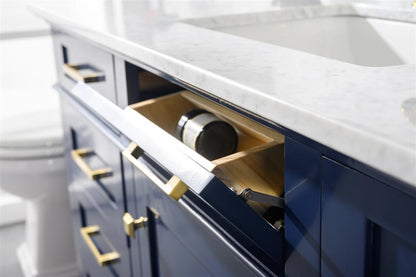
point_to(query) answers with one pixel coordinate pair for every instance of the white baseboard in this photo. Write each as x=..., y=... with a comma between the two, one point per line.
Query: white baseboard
x=12, y=209
x=25, y=260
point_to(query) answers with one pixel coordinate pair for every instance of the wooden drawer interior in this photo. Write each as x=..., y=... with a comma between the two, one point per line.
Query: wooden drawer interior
x=258, y=161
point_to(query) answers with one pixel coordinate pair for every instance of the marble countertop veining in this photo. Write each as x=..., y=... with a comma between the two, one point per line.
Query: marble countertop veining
x=357, y=110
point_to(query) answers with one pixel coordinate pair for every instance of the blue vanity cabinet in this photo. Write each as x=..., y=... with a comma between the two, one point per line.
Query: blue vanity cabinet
x=368, y=227
x=338, y=221
x=97, y=202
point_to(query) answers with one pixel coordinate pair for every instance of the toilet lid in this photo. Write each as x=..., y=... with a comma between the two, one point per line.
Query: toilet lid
x=30, y=125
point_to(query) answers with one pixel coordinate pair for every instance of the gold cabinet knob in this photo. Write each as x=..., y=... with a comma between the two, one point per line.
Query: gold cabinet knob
x=131, y=224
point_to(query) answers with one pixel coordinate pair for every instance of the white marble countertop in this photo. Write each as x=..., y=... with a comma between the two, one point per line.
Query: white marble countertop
x=353, y=109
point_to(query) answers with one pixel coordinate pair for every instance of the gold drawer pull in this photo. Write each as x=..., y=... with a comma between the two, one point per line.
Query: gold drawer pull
x=83, y=73
x=79, y=154
x=175, y=188
x=102, y=259
x=131, y=224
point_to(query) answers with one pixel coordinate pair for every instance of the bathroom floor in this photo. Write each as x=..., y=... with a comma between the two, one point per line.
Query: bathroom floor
x=11, y=236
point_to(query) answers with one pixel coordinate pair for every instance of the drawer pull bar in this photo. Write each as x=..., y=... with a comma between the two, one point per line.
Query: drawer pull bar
x=175, y=188
x=102, y=259
x=79, y=154
x=83, y=73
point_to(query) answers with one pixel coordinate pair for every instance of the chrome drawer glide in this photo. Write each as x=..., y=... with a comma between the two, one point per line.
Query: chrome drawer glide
x=249, y=194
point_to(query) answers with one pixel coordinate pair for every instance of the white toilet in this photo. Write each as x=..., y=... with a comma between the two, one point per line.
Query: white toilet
x=32, y=166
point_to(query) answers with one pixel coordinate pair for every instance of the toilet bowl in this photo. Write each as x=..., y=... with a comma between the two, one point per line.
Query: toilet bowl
x=32, y=166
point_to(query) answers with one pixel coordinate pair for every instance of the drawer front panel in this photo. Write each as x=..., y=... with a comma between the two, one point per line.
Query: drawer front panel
x=95, y=202
x=86, y=60
x=109, y=239
x=82, y=134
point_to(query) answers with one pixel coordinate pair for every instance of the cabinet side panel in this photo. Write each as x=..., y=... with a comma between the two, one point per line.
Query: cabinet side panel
x=302, y=213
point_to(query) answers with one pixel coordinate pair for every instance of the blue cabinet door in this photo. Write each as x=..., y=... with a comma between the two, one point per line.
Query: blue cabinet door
x=177, y=240
x=368, y=227
x=137, y=199
x=155, y=251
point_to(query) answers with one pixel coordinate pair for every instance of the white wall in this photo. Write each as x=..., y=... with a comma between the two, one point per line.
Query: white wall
x=16, y=18
x=403, y=4
x=386, y=3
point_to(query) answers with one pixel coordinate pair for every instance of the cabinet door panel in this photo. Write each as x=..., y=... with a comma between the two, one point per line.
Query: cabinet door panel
x=137, y=196
x=169, y=257
x=178, y=243
x=212, y=252
x=368, y=228
x=159, y=250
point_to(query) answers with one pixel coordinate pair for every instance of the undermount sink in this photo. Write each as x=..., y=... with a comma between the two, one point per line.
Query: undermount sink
x=353, y=39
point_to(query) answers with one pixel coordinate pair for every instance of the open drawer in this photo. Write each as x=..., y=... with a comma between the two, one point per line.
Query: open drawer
x=257, y=164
